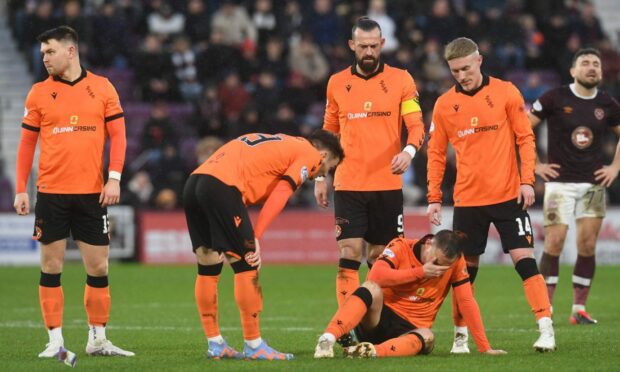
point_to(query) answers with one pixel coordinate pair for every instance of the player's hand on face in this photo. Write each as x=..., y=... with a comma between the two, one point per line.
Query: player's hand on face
x=401, y=162
x=434, y=213
x=606, y=175
x=526, y=193
x=495, y=352
x=432, y=270
x=547, y=172
x=320, y=193
x=111, y=193
x=22, y=204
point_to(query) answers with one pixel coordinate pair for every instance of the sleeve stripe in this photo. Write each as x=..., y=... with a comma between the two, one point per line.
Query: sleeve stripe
x=30, y=127
x=388, y=262
x=409, y=106
x=290, y=181
x=114, y=117
x=461, y=282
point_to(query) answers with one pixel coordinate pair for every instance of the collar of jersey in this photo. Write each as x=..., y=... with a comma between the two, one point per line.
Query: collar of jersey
x=485, y=82
x=354, y=71
x=72, y=83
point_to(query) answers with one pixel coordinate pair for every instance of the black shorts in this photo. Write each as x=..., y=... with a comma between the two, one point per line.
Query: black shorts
x=376, y=216
x=216, y=216
x=391, y=325
x=80, y=215
x=511, y=221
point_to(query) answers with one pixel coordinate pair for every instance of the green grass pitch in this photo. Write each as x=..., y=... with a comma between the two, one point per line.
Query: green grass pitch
x=154, y=315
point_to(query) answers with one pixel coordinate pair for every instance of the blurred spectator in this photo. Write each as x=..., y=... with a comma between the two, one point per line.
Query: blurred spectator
x=533, y=88
x=266, y=95
x=39, y=22
x=533, y=42
x=377, y=12
x=291, y=21
x=274, y=60
x=441, y=24
x=249, y=64
x=264, y=20
x=233, y=96
x=110, y=42
x=165, y=22
x=306, y=58
x=197, y=23
x=473, y=27
x=206, y=147
x=183, y=60
x=154, y=71
x=168, y=171
x=324, y=25
x=234, y=24
x=284, y=121
x=158, y=131
x=217, y=58
x=206, y=118
x=588, y=26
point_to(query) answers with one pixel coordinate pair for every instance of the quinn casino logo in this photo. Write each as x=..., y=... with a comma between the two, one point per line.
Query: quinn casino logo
x=582, y=137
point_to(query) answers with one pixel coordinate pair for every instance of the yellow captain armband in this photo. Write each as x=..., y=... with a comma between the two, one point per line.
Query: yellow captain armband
x=409, y=106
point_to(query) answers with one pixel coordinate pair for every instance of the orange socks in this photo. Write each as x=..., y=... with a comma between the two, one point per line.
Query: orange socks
x=249, y=298
x=51, y=299
x=205, y=291
x=537, y=296
x=350, y=313
x=97, y=300
x=347, y=279
x=407, y=345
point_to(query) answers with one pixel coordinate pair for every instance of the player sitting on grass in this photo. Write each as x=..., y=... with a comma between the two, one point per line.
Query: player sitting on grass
x=393, y=311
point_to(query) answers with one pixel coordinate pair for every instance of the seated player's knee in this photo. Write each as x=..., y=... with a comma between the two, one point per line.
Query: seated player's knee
x=351, y=249
x=374, y=251
x=375, y=291
x=428, y=339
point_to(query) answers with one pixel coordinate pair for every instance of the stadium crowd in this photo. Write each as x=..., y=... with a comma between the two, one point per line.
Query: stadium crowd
x=194, y=73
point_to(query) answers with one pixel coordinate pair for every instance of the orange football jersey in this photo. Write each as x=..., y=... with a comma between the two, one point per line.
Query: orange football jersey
x=71, y=119
x=367, y=113
x=255, y=162
x=483, y=127
x=418, y=302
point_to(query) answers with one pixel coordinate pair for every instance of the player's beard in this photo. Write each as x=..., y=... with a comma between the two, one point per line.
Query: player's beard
x=368, y=64
x=589, y=85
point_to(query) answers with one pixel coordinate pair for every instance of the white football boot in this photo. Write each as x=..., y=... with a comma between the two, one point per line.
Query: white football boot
x=546, y=340
x=325, y=346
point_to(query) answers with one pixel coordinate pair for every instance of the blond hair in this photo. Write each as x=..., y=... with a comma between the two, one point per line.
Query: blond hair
x=458, y=48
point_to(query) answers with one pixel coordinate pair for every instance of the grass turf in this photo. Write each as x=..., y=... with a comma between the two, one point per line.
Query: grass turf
x=154, y=315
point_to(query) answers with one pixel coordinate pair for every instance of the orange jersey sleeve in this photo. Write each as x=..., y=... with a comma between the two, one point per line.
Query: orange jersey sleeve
x=273, y=206
x=254, y=163
x=524, y=134
x=25, y=154
x=467, y=304
x=115, y=127
x=367, y=112
x=71, y=119
x=437, y=147
x=331, y=121
x=479, y=126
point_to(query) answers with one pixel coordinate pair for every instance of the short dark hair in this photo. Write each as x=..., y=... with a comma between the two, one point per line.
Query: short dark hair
x=324, y=140
x=62, y=33
x=365, y=24
x=449, y=243
x=585, y=51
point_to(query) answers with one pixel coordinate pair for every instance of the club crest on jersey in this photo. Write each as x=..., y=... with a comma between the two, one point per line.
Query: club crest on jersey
x=599, y=113
x=582, y=137
x=304, y=173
